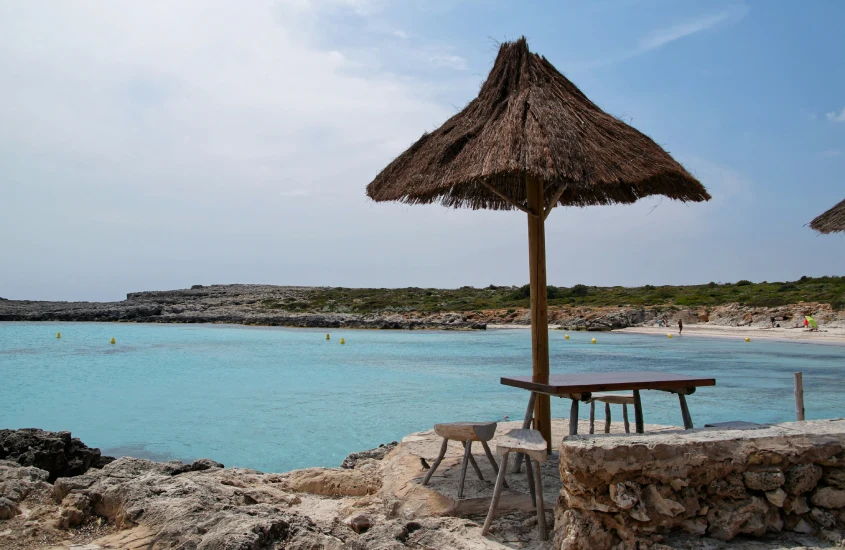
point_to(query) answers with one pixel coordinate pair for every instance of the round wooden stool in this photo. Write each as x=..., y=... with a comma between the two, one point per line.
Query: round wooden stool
x=532, y=445
x=466, y=433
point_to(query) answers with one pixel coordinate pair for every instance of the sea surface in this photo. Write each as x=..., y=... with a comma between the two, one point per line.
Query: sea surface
x=275, y=399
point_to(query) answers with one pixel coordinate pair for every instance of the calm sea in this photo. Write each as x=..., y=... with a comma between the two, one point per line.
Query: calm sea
x=276, y=399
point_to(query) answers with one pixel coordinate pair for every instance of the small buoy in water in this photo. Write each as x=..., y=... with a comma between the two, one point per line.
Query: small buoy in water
x=112, y=341
x=593, y=341
x=747, y=339
x=566, y=336
x=669, y=334
x=328, y=337
x=58, y=335
x=342, y=341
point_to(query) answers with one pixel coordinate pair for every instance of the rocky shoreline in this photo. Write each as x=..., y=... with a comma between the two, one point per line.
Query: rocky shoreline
x=259, y=305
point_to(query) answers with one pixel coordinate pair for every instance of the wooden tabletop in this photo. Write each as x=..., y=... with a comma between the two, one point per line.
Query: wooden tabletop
x=589, y=382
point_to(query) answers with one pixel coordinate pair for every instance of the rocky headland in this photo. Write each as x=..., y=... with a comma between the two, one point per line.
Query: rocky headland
x=294, y=307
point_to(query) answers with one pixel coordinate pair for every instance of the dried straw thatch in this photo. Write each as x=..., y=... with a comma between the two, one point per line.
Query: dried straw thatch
x=831, y=221
x=529, y=119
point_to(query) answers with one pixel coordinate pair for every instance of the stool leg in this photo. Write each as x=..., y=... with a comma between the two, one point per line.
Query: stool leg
x=473, y=462
x=530, y=473
x=625, y=418
x=541, y=509
x=592, y=417
x=492, y=460
x=607, y=418
x=436, y=462
x=497, y=493
x=464, y=465
x=573, y=417
x=526, y=423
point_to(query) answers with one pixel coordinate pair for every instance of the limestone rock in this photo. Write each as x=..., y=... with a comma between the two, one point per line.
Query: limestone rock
x=580, y=530
x=729, y=518
x=802, y=478
x=763, y=480
x=56, y=452
x=695, y=526
x=378, y=454
x=360, y=524
x=776, y=497
x=334, y=482
x=796, y=505
x=626, y=494
x=803, y=527
x=823, y=518
x=731, y=486
x=663, y=506
x=835, y=477
x=828, y=497
x=8, y=508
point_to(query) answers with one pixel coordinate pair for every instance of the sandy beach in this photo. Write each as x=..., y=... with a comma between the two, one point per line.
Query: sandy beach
x=824, y=336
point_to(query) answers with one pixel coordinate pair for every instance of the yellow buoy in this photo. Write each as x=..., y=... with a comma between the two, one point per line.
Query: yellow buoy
x=112, y=341
x=342, y=341
x=58, y=335
x=328, y=337
x=669, y=334
x=566, y=336
x=593, y=341
x=748, y=339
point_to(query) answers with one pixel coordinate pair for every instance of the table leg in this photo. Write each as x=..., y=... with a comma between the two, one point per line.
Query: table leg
x=573, y=417
x=625, y=418
x=638, y=412
x=526, y=424
x=685, y=412
x=607, y=418
x=592, y=417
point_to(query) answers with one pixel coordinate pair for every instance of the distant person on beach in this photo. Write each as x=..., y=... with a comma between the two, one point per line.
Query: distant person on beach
x=680, y=327
x=773, y=322
x=806, y=323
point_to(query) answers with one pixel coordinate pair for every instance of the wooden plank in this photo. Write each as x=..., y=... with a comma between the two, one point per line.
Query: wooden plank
x=638, y=413
x=497, y=493
x=436, y=462
x=466, y=431
x=625, y=418
x=607, y=418
x=685, y=412
x=592, y=417
x=539, y=305
x=573, y=417
x=541, y=508
x=610, y=381
x=799, y=396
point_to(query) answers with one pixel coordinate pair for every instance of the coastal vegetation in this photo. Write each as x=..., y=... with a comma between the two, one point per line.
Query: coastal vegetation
x=829, y=290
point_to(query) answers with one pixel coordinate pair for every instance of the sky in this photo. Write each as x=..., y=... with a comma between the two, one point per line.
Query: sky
x=156, y=145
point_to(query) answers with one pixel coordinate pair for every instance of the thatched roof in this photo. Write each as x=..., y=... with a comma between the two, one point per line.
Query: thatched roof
x=831, y=221
x=530, y=119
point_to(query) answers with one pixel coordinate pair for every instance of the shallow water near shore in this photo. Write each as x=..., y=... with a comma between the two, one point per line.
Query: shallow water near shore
x=275, y=399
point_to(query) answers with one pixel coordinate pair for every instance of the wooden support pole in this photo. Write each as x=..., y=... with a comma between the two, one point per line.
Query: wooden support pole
x=638, y=413
x=607, y=418
x=539, y=304
x=625, y=418
x=685, y=412
x=799, y=396
x=592, y=417
x=573, y=418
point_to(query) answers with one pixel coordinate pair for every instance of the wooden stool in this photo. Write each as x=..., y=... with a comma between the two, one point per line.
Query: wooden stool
x=466, y=433
x=532, y=445
x=607, y=399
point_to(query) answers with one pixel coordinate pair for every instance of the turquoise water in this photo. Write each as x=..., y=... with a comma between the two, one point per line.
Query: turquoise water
x=276, y=399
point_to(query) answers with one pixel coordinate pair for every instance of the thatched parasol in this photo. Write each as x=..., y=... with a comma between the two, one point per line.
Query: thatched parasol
x=831, y=221
x=531, y=141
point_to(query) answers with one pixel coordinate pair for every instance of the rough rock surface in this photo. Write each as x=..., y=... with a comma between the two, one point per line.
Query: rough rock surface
x=377, y=454
x=60, y=454
x=636, y=489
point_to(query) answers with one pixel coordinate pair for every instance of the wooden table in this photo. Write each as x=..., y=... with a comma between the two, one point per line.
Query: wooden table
x=578, y=387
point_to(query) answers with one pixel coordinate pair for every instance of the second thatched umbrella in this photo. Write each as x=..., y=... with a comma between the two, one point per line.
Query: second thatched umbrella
x=531, y=141
x=831, y=221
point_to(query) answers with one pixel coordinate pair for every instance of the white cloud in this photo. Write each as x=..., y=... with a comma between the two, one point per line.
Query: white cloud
x=450, y=61
x=830, y=153
x=400, y=34
x=661, y=37
x=837, y=117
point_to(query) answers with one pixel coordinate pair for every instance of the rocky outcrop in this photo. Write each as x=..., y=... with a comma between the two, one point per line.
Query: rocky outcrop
x=625, y=491
x=58, y=453
x=377, y=454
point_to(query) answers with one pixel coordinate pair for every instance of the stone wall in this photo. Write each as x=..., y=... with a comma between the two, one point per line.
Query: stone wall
x=632, y=490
